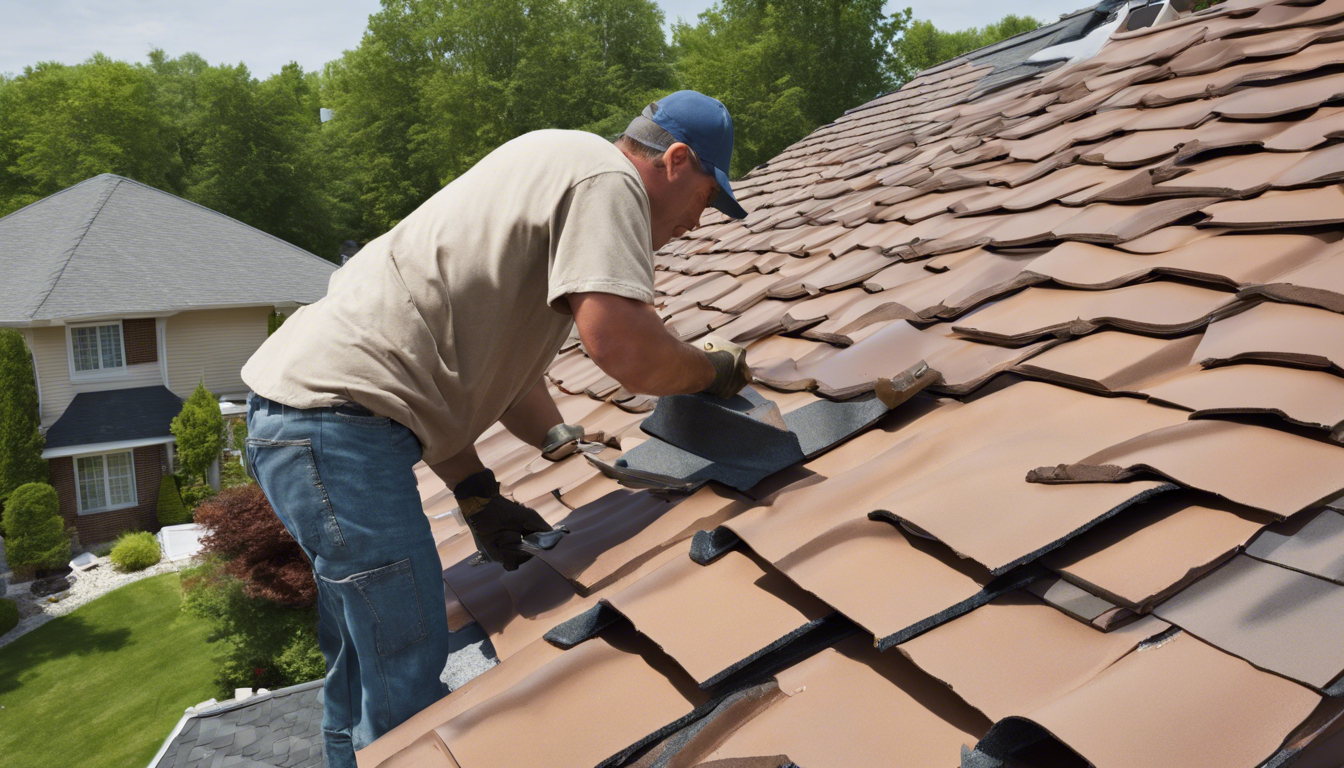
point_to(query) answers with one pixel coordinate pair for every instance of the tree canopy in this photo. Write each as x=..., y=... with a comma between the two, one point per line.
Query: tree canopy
x=433, y=86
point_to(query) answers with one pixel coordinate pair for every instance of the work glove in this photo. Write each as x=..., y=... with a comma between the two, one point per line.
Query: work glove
x=562, y=440
x=502, y=528
x=731, y=372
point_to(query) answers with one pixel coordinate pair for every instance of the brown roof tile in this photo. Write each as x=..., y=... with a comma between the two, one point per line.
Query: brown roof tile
x=1277, y=619
x=1157, y=548
x=1177, y=703
x=1017, y=653
x=852, y=706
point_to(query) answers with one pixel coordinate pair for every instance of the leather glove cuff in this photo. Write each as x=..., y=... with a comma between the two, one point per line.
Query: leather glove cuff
x=731, y=373
x=562, y=440
x=481, y=485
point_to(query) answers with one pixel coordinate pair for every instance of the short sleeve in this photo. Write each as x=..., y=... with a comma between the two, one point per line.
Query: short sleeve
x=601, y=241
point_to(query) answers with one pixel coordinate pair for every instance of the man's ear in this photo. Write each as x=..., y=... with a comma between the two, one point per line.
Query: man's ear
x=678, y=156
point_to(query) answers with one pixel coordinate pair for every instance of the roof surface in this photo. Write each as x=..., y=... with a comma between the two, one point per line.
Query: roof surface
x=115, y=415
x=280, y=729
x=1103, y=536
x=110, y=245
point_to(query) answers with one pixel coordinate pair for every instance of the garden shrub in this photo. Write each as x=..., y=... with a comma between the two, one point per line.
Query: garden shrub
x=135, y=551
x=195, y=494
x=242, y=530
x=255, y=586
x=36, y=536
x=9, y=615
x=170, y=510
x=263, y=643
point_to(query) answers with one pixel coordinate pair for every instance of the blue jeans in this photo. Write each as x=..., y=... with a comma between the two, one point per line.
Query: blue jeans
x=341, y=480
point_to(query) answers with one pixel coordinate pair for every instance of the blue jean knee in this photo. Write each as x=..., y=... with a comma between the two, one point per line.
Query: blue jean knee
x=342, y=482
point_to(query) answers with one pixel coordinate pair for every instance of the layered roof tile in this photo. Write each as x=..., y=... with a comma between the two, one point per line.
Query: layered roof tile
x=1124, y=270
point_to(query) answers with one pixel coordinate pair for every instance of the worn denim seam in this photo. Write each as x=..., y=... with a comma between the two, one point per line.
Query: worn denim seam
x=332, y=525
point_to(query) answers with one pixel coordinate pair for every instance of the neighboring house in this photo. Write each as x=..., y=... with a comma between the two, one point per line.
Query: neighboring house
x=128, y=297
x=280, y=729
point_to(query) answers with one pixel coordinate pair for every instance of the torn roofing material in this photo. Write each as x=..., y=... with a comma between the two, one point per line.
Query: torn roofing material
x=1127, y=265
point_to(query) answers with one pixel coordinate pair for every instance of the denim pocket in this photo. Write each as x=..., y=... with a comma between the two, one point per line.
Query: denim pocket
x=393, y=600
x=287, y=472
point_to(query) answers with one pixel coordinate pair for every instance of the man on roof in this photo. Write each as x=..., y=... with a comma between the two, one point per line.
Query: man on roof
x=438, y=329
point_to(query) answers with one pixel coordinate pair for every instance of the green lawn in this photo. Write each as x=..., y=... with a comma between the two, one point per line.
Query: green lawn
x=104, y=685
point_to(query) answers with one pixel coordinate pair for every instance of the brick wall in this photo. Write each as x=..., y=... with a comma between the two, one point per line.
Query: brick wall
x=142, y=344
x=105, y=526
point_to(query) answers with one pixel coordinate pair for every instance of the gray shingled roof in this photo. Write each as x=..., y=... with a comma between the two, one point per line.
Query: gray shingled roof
x=110, y=245
x=281, y=729
x=115, y=415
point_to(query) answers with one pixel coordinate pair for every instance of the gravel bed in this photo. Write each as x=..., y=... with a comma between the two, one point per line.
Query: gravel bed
x=87, y=585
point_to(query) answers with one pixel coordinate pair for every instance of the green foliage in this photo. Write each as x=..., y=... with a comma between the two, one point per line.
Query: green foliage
x=65, y=124
x=35, y=533
x=239, y=429
x=923, y=45
x=9, y=615
x=256, y=158
x=784, y=67
x=20, y=441
x=232, y=474
x=274, y=321
x=199, y=430
x=196, y=494
x=170, y=510
x=135, y=551
x=433, y=86
x=264, y=643
x=437, y=84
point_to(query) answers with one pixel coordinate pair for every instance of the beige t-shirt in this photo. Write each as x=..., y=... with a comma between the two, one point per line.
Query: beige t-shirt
x=448, y=319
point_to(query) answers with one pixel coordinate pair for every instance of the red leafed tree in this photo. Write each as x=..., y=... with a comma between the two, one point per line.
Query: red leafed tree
x=244, y=531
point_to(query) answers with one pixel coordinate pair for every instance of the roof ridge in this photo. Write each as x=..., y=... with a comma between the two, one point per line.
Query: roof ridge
x=230, y=218
x=70, y=253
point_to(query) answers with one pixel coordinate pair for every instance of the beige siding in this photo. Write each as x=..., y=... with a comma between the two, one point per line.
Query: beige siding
x=55, y=388
x=212, y=345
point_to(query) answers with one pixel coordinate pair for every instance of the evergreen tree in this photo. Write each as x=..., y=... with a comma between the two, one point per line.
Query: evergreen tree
x=20, y=441
x=199, y=430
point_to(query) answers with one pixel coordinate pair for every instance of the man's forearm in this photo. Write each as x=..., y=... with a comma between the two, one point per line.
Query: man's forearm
x=458, y=468
x=531, y=417
x=629, y=341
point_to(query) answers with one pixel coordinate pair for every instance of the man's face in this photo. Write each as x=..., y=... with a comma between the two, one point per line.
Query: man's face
x=686, y=190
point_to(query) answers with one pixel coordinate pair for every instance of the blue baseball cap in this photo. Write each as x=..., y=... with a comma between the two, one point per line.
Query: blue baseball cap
x=701, y=123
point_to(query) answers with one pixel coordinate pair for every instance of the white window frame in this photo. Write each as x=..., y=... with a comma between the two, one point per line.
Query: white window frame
x=107, y=483
x=98, y=374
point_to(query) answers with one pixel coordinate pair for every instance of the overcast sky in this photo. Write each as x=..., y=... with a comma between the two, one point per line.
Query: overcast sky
x=266, y=34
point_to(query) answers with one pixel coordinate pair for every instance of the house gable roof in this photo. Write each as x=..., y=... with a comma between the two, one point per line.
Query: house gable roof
x=110, y=245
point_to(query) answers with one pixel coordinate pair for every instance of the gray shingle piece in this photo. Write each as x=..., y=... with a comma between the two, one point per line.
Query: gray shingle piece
x=124, y=247
x=283, y=729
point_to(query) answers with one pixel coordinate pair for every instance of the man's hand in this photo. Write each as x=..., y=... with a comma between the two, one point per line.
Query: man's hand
x=562, y=440
x=731, y=372
x=501, y=527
